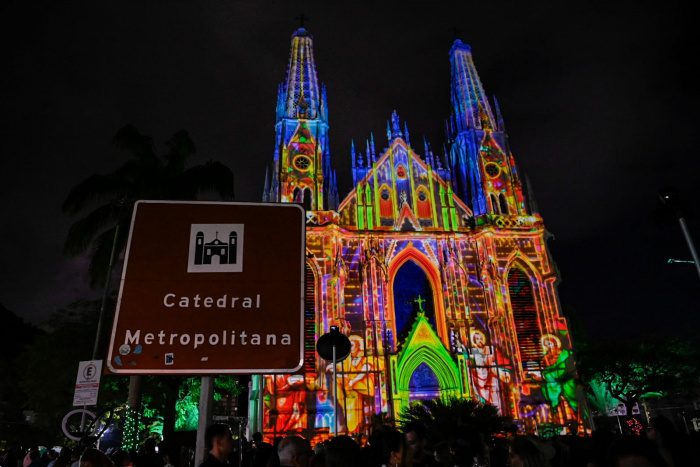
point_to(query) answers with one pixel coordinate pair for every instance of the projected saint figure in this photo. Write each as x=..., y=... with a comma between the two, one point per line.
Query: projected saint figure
x=355, y=385
x=557, y=375
x=487, y=370
x=287, y=403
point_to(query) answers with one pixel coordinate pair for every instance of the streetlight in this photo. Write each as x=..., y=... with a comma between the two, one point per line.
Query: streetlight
x=682, y=261
x=668, y=199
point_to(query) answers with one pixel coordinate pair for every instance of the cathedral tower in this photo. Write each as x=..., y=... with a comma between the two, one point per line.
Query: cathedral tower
x=484, y=171
x=301, y=170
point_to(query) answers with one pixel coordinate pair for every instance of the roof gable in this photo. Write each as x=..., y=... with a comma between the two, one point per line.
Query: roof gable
x=399, y=192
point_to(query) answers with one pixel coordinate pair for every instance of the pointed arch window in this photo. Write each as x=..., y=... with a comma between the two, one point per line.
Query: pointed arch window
x=306, y=201
x=527, y=328
x=309, y=319
x=423, y=203
x=386, y=208
x=494, y=204
x=503, y=203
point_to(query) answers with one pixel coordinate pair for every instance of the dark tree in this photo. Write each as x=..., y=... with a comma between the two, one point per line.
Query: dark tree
x=444, y=417
x=633, y=370
x=107, y=200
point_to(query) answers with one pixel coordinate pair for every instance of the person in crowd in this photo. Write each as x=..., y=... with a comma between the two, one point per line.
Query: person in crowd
x=417, y=442
x=294, y=451
x=11, y=457
x=147, y=456
x=75, y=456
x=219, y=441
x=121, y=458
x=468, y=448
x=394, y=449
x=525, y=452
x=31, y=456
x=635, y=452
x=260, y=453
x=64, y=458
x=49, y=459
x=386, y=446
x=342, y=451
x=28, y=459
x=319, y=456
x=669, y=442
x=95, y=458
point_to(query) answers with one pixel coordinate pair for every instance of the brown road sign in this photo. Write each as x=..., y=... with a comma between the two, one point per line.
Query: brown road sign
x=211, y=288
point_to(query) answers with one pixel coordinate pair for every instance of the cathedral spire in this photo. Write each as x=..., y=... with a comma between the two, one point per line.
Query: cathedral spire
x=302, y=171
x=499, y=117
x=266, y=190
x=303, y=99
x=467, y=92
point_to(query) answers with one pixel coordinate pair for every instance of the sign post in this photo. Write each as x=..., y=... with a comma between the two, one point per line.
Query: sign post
x=335, y=347
x=211, y=288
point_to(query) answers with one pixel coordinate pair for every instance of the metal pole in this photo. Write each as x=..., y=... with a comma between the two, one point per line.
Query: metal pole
x=105, y=292
x=691, y=245
x=205, y=408
x=618, y=422
x=335, y=397
x=103, y=305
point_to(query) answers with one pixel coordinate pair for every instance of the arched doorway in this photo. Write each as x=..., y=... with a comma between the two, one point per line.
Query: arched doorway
x=424, y=384
x=412, y=292
x=434, y=307
x=425, y=369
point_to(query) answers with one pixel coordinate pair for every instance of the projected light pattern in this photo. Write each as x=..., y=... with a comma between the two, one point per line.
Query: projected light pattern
x=435, y=266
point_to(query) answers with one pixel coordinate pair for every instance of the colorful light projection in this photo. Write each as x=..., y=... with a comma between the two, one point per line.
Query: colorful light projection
x=434, y=266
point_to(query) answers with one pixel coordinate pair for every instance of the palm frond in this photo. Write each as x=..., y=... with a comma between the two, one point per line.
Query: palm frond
x=180, y=148
x=93, y=189
x=84, y=231
x=443, y=417
x=129, y=139
x=99, y=261
x=211, y=176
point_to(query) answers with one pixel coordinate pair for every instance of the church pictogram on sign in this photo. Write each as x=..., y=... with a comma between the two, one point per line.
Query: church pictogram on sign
x=209, y=253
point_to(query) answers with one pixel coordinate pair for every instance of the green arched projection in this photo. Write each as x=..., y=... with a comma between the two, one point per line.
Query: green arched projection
x=424, y=346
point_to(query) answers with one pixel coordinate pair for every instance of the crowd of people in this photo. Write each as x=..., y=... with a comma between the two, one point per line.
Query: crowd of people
x=659, y=446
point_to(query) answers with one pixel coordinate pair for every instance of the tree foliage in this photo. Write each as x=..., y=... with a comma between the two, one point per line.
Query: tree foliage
x=443, y=417
x=47, y=367
x=144, y=175
x=632, y=371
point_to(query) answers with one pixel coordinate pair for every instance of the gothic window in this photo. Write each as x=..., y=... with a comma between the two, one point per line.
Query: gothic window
x=306, y=202
x=527, y=329
x=410, y=282
x=309, y=319
x=423, y=203
x=302, y=163
x=494, y=204
x=401, y=172
x=504, y=203
x=492, y=169
x=385, y=206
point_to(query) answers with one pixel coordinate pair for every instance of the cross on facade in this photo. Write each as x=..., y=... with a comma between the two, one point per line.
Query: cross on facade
x=420, y=301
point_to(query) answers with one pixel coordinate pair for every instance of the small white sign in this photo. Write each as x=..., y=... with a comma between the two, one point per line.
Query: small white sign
x=87, y=383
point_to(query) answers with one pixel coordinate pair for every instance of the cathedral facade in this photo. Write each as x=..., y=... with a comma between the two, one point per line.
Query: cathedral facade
x=434, y=265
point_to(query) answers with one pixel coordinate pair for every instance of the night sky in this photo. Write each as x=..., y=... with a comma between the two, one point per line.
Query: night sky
x=600, y=102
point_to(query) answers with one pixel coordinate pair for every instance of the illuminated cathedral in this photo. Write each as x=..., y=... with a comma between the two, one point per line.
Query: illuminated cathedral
x=435, y=265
